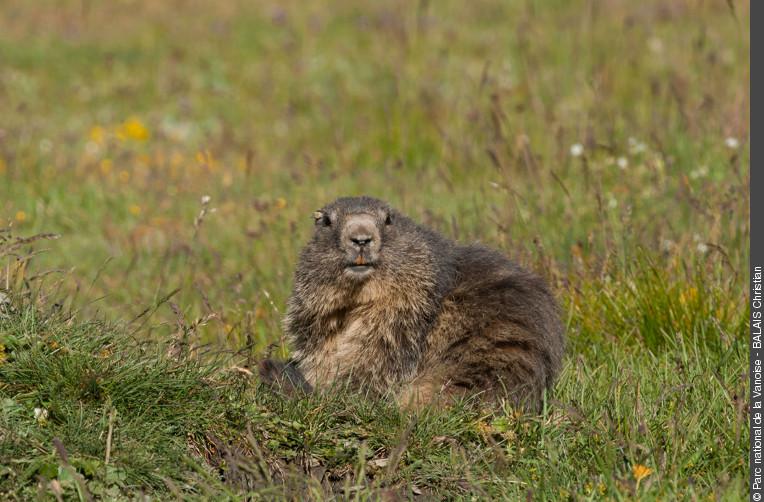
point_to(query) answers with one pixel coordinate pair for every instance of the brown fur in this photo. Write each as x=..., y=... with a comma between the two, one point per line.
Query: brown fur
x=390, y=306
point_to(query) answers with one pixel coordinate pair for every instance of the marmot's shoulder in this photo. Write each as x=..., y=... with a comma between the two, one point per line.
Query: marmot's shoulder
x=478, y=263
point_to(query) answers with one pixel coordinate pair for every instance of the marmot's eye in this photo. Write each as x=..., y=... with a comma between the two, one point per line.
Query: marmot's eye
x=322, y=218
x=388, y=219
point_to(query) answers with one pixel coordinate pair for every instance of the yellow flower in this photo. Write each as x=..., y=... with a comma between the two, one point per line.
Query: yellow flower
x=485, y=429
x=205, y=159
x=132, y=128
x=3, y=166
x=97, y=134
x=281, y=203
x=688, y=296
x=106, y=165
x=260, y=313
x=21, y=216
x=124, y=176
x=640, y=472
x=135, y=209
x=176, y=159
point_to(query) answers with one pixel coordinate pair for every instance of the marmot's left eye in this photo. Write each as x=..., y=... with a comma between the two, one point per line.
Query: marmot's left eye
x=388, y=219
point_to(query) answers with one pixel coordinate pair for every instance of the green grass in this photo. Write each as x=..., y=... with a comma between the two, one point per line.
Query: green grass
x=119, y=117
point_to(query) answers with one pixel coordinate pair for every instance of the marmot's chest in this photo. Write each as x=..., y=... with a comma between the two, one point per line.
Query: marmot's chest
x=368, y=349
x=343, y=352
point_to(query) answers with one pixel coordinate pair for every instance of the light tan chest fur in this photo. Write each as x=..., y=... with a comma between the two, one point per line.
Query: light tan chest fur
x=339, y=355
x=361, y=339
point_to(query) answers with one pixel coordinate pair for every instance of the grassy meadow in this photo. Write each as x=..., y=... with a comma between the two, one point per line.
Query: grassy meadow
x=159, y=165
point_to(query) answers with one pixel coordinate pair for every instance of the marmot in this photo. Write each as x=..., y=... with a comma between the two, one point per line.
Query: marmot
x=388, y=305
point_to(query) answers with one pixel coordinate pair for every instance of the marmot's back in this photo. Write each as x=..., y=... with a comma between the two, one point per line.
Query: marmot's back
x=386, y=304
x=498, y=332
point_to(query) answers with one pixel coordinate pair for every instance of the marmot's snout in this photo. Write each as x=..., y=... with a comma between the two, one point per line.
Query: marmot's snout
x=361, y=241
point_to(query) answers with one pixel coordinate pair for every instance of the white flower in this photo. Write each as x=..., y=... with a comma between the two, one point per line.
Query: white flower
x=732, y=143
x=636, y=146
x=41, y=415
x=577, y=149
x=702, y=248
x=668, y=244
x=206, y=199
x=177, y=131
x=612, y=203
x=622, y=162
x=700, y=172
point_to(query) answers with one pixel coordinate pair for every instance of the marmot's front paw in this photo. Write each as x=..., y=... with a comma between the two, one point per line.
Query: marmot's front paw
x=282, y=376
x=269, y=371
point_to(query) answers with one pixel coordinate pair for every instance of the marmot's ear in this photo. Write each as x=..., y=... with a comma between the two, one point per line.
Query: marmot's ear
x=322, y=218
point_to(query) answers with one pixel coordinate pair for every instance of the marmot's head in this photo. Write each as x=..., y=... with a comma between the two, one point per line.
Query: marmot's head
x=361, y=240
x=355, y=237
x=363, y=252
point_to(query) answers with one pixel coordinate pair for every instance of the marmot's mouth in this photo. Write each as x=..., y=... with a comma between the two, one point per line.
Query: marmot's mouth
x=360, y=263
x=359, y=270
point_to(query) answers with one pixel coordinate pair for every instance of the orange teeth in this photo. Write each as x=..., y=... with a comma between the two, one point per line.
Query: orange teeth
x=359, y=260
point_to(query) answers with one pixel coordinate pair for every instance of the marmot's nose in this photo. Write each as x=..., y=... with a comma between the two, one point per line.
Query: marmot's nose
x=360, y=240
x=360, y=233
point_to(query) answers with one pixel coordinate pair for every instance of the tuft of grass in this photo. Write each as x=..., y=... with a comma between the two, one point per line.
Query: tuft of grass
x=76, y=381
x=656, y=307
